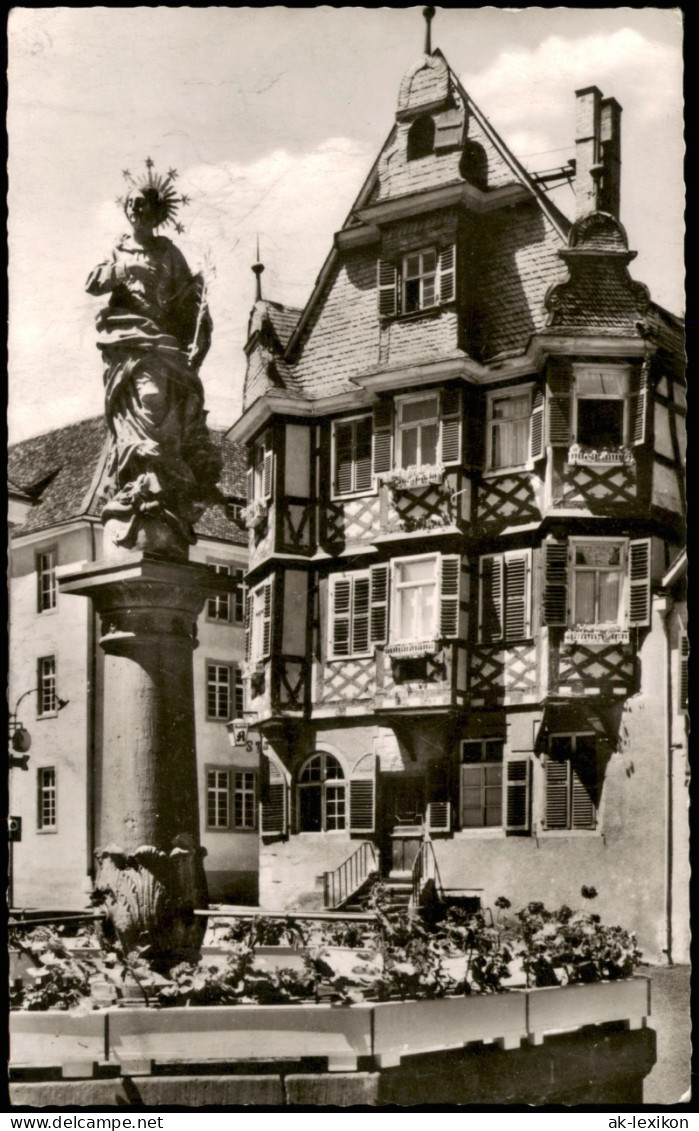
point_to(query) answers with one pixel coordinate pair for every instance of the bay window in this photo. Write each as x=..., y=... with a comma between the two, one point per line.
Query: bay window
x=509, y=416
x=601, y=404
x=597, y=582
x=352, y=440
x=418, y=431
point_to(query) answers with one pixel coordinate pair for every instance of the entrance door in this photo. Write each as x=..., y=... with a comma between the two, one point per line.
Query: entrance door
x=402, y=807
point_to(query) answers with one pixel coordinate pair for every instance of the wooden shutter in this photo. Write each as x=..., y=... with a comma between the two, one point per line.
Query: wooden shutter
x=273, y=807
x=268, y=614
x=451, y=426
x=450, y=572
x=387, y=282
x=560, y=430
x=383, y=437
x=557, y=770
x=639, y=582
x=379, y=604
x=360, y=615
x=447, y=273
x=684, y=673
x=491, y=594
x=555, y=603
x=638, y=404
x=248, y=626
x=343, y=459
x=362, y=454
x=361, y=805
x=474, y=455
x=517, y=794
x=516, y=595
x=537, y=449
x=268, y=467
x=581, y=802
x=340, y=613
x=250, y=484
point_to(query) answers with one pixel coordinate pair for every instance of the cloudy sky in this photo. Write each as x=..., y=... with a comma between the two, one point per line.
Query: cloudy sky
x=273, y=117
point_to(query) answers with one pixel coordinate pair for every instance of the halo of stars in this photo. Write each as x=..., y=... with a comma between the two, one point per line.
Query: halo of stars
x=160, y=193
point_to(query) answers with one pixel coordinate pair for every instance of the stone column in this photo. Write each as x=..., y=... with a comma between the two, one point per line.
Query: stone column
x=150, y=870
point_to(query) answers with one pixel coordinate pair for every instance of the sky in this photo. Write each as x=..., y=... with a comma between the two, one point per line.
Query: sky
x=273, y=117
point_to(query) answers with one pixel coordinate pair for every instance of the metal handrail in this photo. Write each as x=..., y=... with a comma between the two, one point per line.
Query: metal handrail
x=425, y=868
x=344, y=881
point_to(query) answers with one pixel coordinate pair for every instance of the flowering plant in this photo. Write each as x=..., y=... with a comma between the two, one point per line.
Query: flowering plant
x=254, y=513
x=418, y=475
x=580, y=453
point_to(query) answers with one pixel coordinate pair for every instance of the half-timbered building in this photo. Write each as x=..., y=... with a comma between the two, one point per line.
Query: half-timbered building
x=465, y=494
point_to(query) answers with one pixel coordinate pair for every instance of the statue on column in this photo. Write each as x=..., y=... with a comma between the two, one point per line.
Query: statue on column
x=154, y=333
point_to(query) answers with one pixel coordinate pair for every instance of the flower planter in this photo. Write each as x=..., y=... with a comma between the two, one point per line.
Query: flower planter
x=57, y=1039
x=140, y=1037
x=554, y=1008
x=404, y=1028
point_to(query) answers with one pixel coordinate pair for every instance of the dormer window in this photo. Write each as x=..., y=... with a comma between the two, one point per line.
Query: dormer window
x=421, y=138
x=422, y=280
x=419, y=280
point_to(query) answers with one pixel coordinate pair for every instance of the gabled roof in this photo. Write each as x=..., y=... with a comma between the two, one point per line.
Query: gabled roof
x=60, y=472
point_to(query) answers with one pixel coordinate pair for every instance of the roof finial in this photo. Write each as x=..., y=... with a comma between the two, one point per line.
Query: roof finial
x=429, y=14
x=257, y=269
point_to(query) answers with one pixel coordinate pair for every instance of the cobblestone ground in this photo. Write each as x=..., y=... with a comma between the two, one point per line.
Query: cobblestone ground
x=670, y=1004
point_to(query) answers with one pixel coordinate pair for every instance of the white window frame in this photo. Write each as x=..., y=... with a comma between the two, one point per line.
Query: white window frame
x=218, y=789
x=400, y=427
x=622, y=620
x=46, y=686
x=218, y=608
x=422, y=305
x=46, y=583
x=505, y=394
x=47, y=791
x=322, y=783
x=482, y=764
x=617, y=370
x=234, y=684
x=352, y=578
x=335, y=495
x=570, y=828
x=397, y=587
x=244, y=790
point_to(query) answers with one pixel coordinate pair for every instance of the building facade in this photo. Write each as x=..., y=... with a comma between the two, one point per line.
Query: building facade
x=55, y=689
x=466, y=490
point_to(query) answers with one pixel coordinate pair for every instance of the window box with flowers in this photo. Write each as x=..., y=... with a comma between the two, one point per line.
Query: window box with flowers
x=596, y=634
x=255, y=514
x=581, y=454
x=414, y=477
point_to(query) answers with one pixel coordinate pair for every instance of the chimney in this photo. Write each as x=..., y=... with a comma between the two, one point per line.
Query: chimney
x=610, y=139
x=588, y=170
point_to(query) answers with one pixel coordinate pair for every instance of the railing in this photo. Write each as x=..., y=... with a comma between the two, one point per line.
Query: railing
x=340, y=885
x=425, y=868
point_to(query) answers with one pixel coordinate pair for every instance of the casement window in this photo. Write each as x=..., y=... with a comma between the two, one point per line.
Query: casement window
x=350, y=613
x=508, y=429
x=683, y=682
x=228, y=608
x=428, y=429
x=597, y=582
x=351, y=456
x=321, y=796
x=46, y=588
x=47, y=700
x=231, y=798
x=495, y=792
x=220, y=691
x=239, y=596
x=261, y=471
x=505, y=596
x=46, y=815
x=601, y=407
x=571, y=782
x=423, y=279
x=258, y=633
x=426, y=596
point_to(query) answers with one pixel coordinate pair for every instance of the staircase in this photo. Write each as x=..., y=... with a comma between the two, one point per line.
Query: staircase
x=399, y=888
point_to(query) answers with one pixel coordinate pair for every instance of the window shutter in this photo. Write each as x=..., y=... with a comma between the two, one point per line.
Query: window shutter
x=557, y=793
x=387, y=288
x=491, y=617
x=340, y=602
x=267, y=469
x=451, y=426
x=555, y=604
x=516, y=592
x=248, y=626
x=360, y=615
x=362, y=455
x=447, y=273
x=379, y=604
x=383, y=437
x=474, y=456
x=362, y=806
x=250, y=482
x=639, y=582
x=343, y=459
x=438, y=817
x=517, y=791
x=684, y=673
x=582, y=803
x=449, y=596
x=537, y=449
x=639, y=409
x=267, y=618
x=560, y=409
x=273, y=808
